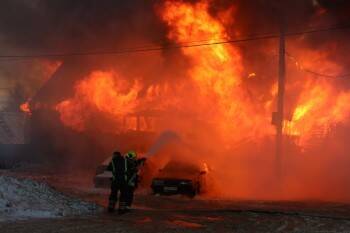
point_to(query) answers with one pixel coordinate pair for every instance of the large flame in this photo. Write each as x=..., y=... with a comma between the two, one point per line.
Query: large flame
x=216, y=89
x=320, y=104
x=219, y=95
x=105, y=92
x=216, y=71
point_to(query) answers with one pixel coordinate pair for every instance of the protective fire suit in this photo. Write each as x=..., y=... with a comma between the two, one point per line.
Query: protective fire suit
x=124, y=181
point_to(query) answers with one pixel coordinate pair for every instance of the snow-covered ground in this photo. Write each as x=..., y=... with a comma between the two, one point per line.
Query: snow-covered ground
x=25, y=199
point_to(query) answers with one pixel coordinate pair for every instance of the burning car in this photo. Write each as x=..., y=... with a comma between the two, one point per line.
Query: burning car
x=178, y=177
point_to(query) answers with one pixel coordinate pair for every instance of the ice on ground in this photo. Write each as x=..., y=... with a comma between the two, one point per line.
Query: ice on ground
x=25, y=198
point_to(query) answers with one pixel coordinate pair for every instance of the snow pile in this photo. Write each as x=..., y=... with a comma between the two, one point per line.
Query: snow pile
x=24, y=198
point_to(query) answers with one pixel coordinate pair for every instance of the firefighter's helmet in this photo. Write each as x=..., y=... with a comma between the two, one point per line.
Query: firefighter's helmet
x=116, y=154
x=131, y=155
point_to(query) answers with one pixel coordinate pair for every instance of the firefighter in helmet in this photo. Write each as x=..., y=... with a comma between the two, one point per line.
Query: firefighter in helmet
x=132, y=174
x=124, y=180
x=118, y=184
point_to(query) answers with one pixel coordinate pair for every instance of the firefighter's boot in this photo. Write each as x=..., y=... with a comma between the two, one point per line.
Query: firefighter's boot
x=111, y=206
x=122, y=208
x=127, y=209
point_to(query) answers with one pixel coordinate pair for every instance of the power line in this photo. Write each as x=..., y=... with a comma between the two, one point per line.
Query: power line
x=172, y=46
x=302, y=68
x=325, y=75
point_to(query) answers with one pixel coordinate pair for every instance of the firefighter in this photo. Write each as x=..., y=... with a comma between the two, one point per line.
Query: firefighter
x=118, y=184
x=132, y=174
x=124, y=180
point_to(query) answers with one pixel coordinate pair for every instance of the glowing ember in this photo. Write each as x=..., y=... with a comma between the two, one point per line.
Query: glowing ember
x=252, y=75
x=25, y=107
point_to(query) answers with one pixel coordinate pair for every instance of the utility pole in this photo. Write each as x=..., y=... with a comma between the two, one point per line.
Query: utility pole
x=280, y=101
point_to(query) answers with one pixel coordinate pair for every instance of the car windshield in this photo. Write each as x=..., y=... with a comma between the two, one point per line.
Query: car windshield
x=176, y=166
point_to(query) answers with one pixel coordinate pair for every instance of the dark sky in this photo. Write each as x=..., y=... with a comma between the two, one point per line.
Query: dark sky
x=68, y=24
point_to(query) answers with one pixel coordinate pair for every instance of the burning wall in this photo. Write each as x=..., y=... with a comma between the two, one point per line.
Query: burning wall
x=207, y=95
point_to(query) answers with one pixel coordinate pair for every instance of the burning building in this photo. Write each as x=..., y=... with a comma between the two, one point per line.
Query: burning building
x=206, y=70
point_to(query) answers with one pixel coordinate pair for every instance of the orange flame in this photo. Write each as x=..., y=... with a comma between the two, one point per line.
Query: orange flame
x=25, y=107
x=216, y=70
x=252, y=75
x=215, y=90
x=216, y=96
x=105, y=92
x=218, y=92
x=320, y=105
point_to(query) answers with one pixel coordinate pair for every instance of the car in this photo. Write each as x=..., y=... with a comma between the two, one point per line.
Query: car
x=179, y=177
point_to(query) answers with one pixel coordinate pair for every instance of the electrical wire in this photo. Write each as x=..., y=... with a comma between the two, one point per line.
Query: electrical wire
x=317, y=74
x=170, y=46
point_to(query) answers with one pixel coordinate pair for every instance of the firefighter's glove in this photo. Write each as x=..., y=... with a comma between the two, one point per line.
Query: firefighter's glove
x=142, y=160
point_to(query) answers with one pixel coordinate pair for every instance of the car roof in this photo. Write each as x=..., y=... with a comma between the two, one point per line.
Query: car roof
x=178, y=164
x=107, y=161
